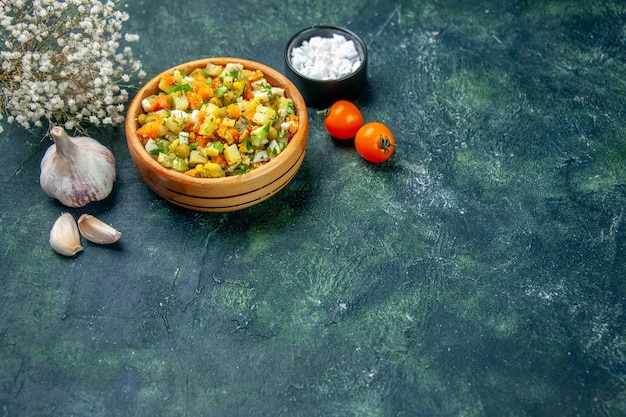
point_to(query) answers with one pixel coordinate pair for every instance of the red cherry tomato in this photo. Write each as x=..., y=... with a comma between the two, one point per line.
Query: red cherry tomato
x=374, y=142
x=343, y=119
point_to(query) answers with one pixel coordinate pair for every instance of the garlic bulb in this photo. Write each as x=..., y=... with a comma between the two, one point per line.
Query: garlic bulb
x=97, y=231
x=76, y=170
x=64, y=236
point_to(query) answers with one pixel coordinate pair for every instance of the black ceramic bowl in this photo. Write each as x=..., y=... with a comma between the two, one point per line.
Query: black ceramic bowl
x=319, y=93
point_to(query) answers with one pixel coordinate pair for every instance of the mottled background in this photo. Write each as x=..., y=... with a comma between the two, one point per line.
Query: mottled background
x=480, y=272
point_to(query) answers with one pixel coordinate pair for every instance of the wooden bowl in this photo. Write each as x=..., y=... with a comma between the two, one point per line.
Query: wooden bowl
x=226, y=193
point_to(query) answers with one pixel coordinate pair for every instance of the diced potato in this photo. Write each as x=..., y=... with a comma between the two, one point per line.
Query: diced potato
x=213, y=70
x=207, y=128
x=286, y=106
x=214, y=170
x=180, y=165
x=165, y=160
x=228, y=81
x=178, y=76
x=277, y=91
x=183, y=137
x=228, y=122
x=244, y=149
x=212, y=149
x=180, y=100
x=176, y=121
x=197, y=157
x=210, y=108
x=164, y=85
x=232, y=155
x=263, y=115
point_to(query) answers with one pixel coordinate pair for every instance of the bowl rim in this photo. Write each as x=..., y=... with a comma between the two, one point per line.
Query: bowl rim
x=151, y=87
x=311, y=31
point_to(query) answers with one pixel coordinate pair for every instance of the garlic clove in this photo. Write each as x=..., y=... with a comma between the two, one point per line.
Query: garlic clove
x=97, y=231
x=64, y=236
x=76, y=170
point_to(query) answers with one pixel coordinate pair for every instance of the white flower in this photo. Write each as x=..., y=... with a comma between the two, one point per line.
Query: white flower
x=73, y=75
x=131, y=37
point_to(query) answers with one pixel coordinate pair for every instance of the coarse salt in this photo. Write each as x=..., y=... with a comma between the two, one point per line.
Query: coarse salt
x=326, y=58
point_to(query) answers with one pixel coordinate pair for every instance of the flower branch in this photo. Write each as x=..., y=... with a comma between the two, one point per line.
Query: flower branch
x=63, y=62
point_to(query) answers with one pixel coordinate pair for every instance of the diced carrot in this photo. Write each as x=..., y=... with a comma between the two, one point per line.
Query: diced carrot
x=255, y=75
x=249, y=111
x=150, y=130
x=220, y=160
x=247, y=92
x=293, y=124
x=222, y=132
x=166, y=82
x=161, y=103
x=233, y=133
x=234, y=111
x=201, y=116
x=202, y=141
x=198, y=76
x=195, y=100
x=204, y=91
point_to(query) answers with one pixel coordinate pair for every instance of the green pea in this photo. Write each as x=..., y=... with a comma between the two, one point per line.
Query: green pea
x=183, y=150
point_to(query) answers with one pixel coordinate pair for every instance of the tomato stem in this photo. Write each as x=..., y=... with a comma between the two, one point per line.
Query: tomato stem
x=324, y=112
x=385, y=143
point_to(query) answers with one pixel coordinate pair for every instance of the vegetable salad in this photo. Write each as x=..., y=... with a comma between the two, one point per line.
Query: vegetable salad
x=216, y=121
